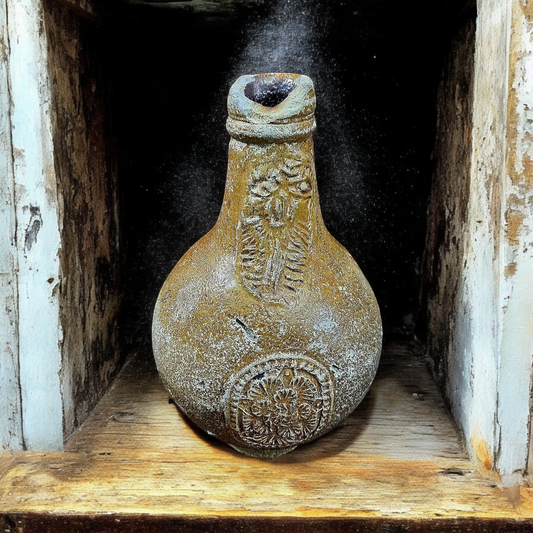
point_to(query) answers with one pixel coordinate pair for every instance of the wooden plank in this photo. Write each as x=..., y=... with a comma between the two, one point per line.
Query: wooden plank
x=87, y=178
x=473, y=377
x=59, y=261
x=516, y=338
x=143, y=524
x=479, y=261
x=38, y=232
x=138, y=464
x=10, y=408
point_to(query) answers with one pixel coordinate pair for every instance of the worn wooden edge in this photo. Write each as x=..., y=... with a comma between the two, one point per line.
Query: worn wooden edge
x=84, y=8
x=37, y=207
x=10, y=411
x=87, y=181
x=127, y=470
x=143, y=523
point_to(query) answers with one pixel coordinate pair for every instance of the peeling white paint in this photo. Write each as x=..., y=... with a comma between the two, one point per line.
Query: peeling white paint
x=516, y=348
x=473, y=368
x=489, y=354
x=10, y=407
x=38, y=232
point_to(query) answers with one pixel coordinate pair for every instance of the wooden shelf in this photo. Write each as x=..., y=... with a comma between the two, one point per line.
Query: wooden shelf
x=137, y=465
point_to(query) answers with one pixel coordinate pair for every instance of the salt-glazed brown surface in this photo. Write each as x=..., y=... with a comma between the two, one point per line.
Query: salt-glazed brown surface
x=266, y=333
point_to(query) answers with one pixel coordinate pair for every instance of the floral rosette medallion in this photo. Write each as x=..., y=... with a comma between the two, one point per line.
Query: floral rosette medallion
x=281, y=402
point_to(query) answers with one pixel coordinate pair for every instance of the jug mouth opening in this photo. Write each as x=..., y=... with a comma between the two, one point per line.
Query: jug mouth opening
x=271, y=107
x=269, y=91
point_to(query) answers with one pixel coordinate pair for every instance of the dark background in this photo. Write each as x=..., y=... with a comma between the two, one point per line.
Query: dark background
x=376, y=65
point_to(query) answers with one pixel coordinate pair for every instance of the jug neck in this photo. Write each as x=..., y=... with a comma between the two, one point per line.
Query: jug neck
x=273, y=182
x=270, y=219
x=271, y=171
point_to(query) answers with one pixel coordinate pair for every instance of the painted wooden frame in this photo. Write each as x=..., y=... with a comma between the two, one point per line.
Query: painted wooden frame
x=479, y=259
x=59, y=255
x=487, y=353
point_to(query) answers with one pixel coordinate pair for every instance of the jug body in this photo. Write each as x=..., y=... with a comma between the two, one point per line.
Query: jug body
x=266, y=333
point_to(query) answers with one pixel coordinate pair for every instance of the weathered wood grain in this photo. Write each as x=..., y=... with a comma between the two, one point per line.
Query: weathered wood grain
x=479, y=259
x=87, y=178
x=515, y=374
x=10, y=409
x=38, y=243
x=59, y=263
x=397, y=463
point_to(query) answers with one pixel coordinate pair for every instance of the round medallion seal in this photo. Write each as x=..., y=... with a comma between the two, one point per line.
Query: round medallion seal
x=280, y=402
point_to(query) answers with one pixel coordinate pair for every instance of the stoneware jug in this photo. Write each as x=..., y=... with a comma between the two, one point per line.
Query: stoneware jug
x=266, y=333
